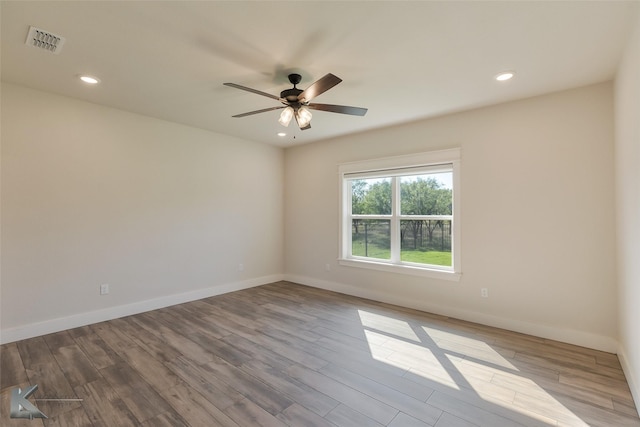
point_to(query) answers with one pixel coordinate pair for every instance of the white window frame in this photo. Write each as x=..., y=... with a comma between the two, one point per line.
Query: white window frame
x=429, y=162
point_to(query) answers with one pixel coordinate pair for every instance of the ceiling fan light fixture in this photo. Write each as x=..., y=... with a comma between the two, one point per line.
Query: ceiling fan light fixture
x=286, y=116
x=303, y=116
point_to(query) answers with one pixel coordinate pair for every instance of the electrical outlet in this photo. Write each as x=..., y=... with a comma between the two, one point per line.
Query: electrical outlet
x=484, y=293
x=240, y=267
x=327, y=267
x=104, y=289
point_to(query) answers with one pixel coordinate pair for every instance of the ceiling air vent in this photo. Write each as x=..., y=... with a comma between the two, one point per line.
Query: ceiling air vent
x=44, y=40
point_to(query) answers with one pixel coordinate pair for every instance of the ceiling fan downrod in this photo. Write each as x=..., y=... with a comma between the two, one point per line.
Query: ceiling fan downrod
x=291, y=95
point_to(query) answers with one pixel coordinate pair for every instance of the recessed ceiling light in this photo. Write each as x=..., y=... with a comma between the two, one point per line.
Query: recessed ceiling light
x=90, y=80
x=507, y=75
x=282, y=134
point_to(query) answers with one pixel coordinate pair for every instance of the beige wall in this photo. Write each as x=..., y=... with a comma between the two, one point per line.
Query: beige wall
x=537, y=216
x=627, y=161
x=159, y=211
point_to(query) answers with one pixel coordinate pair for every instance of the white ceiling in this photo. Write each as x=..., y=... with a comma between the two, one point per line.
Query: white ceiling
x=404, y=61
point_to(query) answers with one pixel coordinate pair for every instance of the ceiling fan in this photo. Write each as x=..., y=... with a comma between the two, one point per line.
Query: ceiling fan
x=296, y=102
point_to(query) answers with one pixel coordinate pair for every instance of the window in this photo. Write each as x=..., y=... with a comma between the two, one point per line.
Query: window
x=401, y=214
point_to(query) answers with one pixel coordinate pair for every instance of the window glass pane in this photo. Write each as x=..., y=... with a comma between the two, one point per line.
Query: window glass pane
x=371, y=196
x=426, y=194
x=426, y=242
x=371, y=238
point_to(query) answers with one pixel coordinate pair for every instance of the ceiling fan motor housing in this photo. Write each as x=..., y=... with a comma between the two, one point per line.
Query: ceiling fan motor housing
x=291, y=95
x=295, y=78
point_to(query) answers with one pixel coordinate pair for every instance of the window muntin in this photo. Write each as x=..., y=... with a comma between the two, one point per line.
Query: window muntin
x=402, y=217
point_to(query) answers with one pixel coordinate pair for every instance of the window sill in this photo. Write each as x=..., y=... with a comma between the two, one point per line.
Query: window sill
x=402, y=269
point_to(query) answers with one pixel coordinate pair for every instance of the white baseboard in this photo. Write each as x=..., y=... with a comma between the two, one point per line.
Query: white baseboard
x=581, y=338
x=630, y=375
x=82, y=319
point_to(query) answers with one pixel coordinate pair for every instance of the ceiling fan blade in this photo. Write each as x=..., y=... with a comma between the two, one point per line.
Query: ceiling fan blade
x=343, y=109
x=248, y=89
x=264, y=110
x=319, y=87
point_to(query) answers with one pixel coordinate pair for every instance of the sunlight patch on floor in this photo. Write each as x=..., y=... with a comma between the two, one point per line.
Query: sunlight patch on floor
x=406, y=356
x=462, y=363
x=470, y=347
x=387, y=324
x=516, y=393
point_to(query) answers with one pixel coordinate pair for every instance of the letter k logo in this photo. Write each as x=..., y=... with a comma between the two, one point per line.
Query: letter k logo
x=21, y=407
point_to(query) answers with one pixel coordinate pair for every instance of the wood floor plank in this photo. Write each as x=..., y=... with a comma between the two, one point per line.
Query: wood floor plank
x=384, y=374
x=246, y=413
x=297, y=415
x=151, y=369
x=302, y=332
x=542, y=388
x=482, y=416
x=404, y=420
x=114, y=335
x=12, y=371
x=195, y=408
x=58, y=339
x=356, y=399
x=563, y=363
x=260, y=393
x=138, y=336
x=103, y=406
x=594, y=416
x=74, y=418
x=166, y=419
x=293, y=348
x=367, y=342
x=475, y=399
x=205, y=382
x=379, y=391
x=76, y=366
x=98, y=352
x=625, y=407
x=197, y=321
x=284, y=354
x=344, y=416
x=597, y=382
x=80, y=331
x=173, y=339
x=329, y=349
x=283, y=311
x=223, y=350
x=34, y=351
x=258, y=352
x=52, y=383
x=283, y=348
x=309, y=397
x=139, y=396
x=448, y=420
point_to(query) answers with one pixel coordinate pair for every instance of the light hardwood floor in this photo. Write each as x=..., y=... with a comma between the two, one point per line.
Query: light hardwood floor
x=289, y=355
